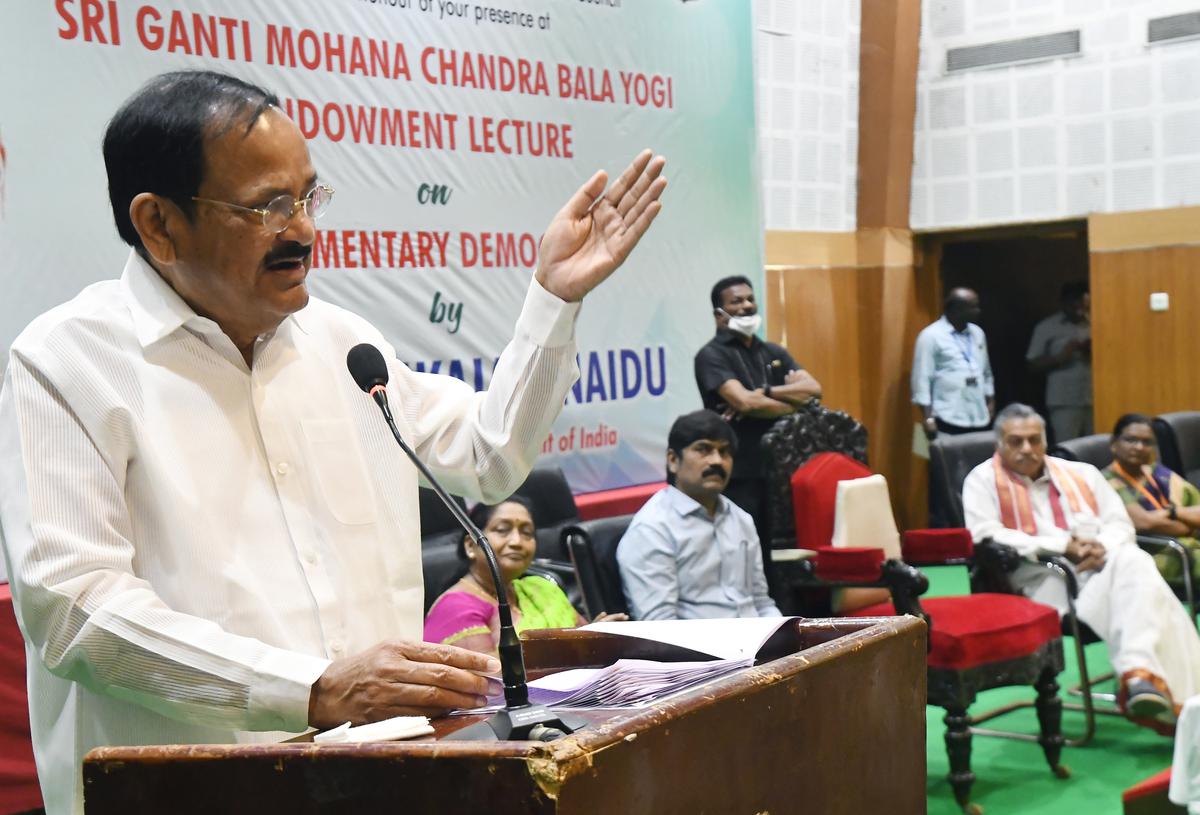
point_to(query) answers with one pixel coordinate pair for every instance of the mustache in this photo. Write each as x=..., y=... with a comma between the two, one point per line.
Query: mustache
x=288, y=252
x=715, y=469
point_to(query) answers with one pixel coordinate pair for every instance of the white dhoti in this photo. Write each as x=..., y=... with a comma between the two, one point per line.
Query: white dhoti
x=1131, y=608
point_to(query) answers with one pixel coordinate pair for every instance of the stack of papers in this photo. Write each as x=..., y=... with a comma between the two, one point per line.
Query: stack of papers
x=733, y=644
x=626, y=683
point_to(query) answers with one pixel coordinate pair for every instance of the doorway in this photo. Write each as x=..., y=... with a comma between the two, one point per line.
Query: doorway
x=1019, y=273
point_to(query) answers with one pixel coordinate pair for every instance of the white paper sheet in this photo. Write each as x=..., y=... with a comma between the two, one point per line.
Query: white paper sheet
x=394, y=729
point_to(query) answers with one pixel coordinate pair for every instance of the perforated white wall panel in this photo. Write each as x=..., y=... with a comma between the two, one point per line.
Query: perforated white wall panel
x=1114, y=129
x=806, y=59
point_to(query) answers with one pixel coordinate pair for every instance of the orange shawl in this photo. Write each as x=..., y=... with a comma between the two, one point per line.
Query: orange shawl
x=1016, y=512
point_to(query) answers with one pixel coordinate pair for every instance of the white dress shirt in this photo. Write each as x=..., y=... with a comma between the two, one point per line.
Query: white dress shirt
x=192, y=540
x=952, y=373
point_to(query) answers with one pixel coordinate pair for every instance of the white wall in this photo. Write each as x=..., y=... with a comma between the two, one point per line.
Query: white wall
x=806, y=64
x=1115, y=129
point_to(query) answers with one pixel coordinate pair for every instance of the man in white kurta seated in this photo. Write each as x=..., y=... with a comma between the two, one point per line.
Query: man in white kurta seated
x=1042, y=505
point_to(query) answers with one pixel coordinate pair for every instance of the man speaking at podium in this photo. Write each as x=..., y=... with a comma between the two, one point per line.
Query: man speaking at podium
x=210, y=534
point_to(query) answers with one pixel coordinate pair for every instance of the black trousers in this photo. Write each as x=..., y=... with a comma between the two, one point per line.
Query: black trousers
x=751, y=495
x=955, y=430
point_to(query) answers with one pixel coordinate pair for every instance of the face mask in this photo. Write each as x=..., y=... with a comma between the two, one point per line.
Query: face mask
x=745, y=325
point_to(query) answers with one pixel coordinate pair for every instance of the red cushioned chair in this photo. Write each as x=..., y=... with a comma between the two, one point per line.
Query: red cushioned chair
x=19, y=790
x=976, y=641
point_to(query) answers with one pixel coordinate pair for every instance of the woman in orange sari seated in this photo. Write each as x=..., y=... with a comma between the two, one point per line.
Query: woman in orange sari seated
x=1159, y=501
x=466, y=613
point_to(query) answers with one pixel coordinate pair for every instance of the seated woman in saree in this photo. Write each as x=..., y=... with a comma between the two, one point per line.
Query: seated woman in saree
x=1159, y=501
x=466, y=615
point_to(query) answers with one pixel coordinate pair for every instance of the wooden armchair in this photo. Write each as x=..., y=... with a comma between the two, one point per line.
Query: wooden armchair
x=792, y=441
x=976, y=642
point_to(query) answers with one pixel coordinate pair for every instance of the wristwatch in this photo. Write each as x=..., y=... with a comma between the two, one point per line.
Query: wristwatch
x=1171, y=513
x=767, y=390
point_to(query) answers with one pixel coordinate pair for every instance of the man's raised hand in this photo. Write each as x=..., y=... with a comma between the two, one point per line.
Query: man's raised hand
x=596, y=230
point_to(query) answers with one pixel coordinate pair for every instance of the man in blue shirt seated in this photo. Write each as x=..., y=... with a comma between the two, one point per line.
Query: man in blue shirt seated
x=691, y=553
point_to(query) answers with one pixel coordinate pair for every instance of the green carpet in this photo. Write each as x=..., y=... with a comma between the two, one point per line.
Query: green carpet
x=1012, y=776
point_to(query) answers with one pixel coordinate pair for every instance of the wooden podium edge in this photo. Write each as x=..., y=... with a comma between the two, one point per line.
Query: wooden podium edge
x=549, y=767
x=820, y=640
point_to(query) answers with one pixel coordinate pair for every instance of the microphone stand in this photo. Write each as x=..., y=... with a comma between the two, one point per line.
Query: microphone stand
x=519, y=720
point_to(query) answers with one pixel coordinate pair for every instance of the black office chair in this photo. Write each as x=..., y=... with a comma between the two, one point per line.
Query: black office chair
x=440, y=536
x=440, y=533
x=440, y=564
x=1097, y=451
x=593, y=548
x=954, y=456
x=554, y=510
x=1178, y=437
x=435, y=517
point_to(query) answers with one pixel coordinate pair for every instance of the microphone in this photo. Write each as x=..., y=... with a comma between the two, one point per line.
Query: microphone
x=519, y=720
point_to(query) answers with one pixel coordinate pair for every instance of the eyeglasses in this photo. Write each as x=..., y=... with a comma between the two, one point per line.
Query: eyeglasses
x=1017, y=442
x=1136, y=442
x=278, y=213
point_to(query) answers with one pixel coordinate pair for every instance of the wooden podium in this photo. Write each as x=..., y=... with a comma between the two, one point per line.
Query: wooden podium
x=834, y=723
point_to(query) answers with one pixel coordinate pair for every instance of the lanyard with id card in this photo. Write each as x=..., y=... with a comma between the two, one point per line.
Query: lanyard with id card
x=968, y=354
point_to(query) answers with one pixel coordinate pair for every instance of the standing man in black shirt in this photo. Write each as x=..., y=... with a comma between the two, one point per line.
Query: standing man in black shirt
x=751, y=383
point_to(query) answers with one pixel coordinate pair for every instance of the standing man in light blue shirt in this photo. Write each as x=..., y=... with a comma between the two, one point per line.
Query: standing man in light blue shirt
x=691, y=553
x=951, y=375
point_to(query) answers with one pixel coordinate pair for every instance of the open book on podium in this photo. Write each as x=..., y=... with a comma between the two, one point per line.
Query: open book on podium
x=829, y=718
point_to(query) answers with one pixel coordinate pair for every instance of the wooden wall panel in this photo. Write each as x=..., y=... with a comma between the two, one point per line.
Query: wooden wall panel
x=854, y=328
x=889, y=47
x=890, y=285
x=813, y=312
x=849, y=307
x=1145, y=229
x=1142, y=360
x=896, y=299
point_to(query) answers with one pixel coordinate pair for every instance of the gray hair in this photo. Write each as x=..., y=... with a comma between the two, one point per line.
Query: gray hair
x=1015, y=411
